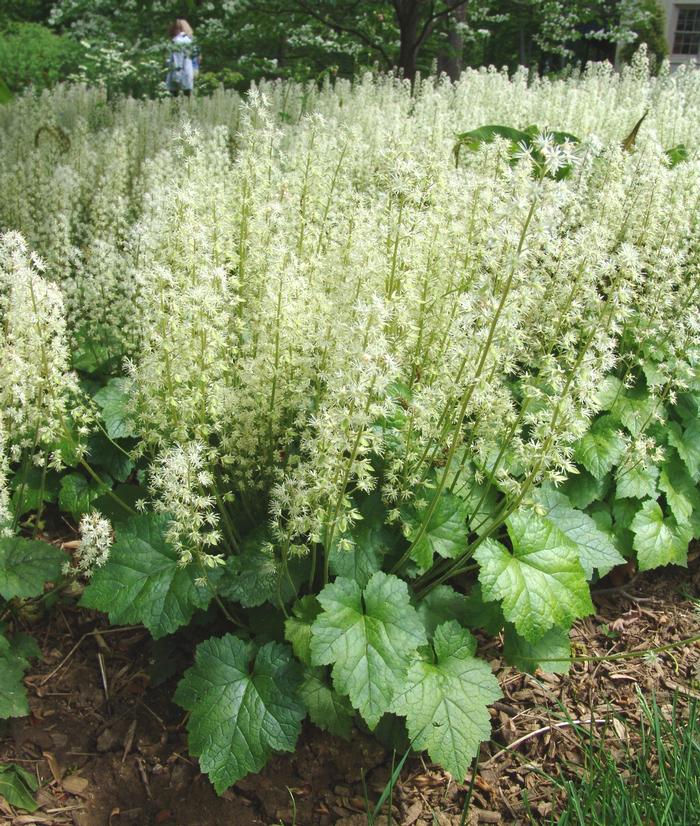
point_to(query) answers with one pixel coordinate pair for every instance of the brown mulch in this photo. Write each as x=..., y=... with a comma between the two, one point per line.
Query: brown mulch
x=122, y=760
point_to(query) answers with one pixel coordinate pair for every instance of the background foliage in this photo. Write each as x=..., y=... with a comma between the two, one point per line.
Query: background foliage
x=124, y=46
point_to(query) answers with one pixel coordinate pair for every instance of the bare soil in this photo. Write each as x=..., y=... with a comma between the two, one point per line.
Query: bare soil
x=119, y=758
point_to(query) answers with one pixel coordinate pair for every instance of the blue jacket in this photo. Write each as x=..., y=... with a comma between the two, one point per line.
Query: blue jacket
x=183, y=64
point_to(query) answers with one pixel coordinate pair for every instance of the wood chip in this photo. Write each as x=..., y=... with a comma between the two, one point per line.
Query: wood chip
x=70, y=545
x=141, y=764
x=488, y=817
x=129, y=740
x=414, y=811
x=75, y=784
x=622, y=677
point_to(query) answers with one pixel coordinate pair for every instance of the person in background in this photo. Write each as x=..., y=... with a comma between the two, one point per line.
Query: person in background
x=183, y=61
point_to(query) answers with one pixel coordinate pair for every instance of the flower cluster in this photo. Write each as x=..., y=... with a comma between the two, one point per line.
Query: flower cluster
x=37, y=389
x=96, y=539
x=179, y=481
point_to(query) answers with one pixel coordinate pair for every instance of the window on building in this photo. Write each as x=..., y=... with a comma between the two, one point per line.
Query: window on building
x=687, y=38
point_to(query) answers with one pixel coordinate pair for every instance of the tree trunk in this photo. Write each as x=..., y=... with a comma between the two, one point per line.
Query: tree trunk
x=523, y=54
x=450, y=60
x=281, y=52
x=407, y=15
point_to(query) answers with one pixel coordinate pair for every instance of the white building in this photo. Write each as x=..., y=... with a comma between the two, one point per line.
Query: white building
x=682, y=30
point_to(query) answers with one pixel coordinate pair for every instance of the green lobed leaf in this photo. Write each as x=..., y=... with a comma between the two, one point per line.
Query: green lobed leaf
x=18, y=786
x=459, y=474
x=26, y=564
x=481, y=614
x=327, y=709
x=78, y=494
x=624, y=539
x=486, y=134
x=687, y=406
x=551, y=653
x=601, y=514
x=392, y=734
x=494, y=457
x=25, y=646
x=297, y=627
x=611, y=388
x=441, y=604
x=70, y=442
x=624, y=511
x=654, y=376
x=563, y=137
x=582, y=489
x=541, y=583
x=31, y=490
x=113, y=401
x=483, y=507
x=473, y=139
x=636, y=480
x=244, y=706
x=677, y=154
x=446, y=533
x=634, y=407
x=637, y=410
x=13, y=695
x=105, y=454
x=601, y=448
x=373, y=540
x=369, y=636
x=142, y=580
x=595, y=547
x=687, y=442
x=681, y=491
x=481, y=499
x=446, y=702
x=255, y=576
x=658, y=541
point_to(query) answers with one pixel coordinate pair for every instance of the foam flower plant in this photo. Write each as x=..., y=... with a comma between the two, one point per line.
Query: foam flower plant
x=349, y=397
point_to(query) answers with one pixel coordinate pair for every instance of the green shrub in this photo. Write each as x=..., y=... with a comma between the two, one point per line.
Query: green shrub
x=33, y=55
x=208, y=82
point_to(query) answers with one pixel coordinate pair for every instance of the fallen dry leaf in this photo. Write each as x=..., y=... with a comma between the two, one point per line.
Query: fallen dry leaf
x=54, y=766
x=620, y=729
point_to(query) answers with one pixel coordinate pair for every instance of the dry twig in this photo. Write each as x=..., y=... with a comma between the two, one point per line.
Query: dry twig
x=543, y=730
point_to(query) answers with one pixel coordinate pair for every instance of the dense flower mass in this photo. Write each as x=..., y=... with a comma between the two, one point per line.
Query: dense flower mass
x=310, y=300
